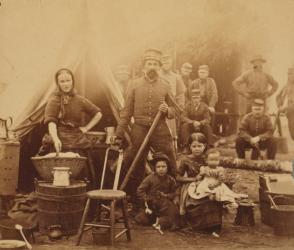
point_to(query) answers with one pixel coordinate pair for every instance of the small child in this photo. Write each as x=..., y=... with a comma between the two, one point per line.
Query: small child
x=157, y=192
x=212, y=185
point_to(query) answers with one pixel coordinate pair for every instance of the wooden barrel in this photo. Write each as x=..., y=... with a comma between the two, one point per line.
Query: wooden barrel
x=60, y=206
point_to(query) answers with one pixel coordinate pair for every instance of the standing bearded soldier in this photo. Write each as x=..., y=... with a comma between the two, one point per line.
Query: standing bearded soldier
x=145, y=97
x=255, y=83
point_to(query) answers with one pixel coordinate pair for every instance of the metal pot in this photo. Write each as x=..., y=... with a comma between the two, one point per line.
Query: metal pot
x=61, y=176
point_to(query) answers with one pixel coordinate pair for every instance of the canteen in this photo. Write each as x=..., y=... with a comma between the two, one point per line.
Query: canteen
x=61, y=176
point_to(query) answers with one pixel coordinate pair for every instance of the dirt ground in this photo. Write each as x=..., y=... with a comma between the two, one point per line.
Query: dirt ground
x=259, y=236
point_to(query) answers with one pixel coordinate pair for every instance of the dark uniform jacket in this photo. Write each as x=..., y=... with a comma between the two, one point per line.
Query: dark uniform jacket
x=252, y=126
x=153, y=184
x=208, y=90
x=192, y=113
x=142, y=102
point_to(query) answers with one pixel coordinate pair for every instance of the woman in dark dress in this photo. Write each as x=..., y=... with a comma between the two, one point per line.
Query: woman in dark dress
x=64, y=116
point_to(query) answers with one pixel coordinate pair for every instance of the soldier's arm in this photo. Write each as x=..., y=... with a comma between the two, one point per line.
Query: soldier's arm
x=180, y=93
x=171, y=112
x=238, y=82
x=206, y=116
x=281, y=96
x=243, y=129
x=185, y=115
x=269, y=129
x=274, y=85
x=126, y=113
x=214, y=94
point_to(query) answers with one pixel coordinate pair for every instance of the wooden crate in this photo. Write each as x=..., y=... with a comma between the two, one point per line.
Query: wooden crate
x=9, y=167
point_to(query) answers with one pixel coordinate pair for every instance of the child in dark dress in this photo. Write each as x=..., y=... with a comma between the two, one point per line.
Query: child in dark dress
x=189, y=167
x=156, y=194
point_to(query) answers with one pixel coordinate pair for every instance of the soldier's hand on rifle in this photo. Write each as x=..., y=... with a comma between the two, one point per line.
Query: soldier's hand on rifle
x=163, y=108
x=211, y=109
x=196, y=124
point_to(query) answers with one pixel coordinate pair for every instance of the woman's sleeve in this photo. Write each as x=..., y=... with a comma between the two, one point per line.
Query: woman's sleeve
x=52, y=110
x=90, y=108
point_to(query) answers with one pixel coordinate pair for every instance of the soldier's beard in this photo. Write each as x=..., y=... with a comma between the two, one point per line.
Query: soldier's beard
x=152, y=74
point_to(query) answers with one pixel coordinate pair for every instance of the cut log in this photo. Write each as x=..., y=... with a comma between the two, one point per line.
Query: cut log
x=258, y=165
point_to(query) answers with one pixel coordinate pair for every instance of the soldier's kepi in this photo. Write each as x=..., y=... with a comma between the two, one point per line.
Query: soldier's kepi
x=146, y=96
x=151, y=59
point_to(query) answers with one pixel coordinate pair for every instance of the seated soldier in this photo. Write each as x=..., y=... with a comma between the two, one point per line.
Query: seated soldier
x=195, y=118
x=256, y=132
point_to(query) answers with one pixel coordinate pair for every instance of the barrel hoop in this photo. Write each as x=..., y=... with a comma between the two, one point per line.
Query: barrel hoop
x=59, y=197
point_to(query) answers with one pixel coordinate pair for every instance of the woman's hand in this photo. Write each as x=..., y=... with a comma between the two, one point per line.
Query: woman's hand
x=57, y=145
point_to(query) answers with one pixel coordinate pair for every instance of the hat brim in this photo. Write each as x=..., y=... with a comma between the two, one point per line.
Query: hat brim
x=258, y=59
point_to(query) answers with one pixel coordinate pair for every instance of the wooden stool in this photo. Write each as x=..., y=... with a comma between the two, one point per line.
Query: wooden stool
x=114, y=196
x=245, y=214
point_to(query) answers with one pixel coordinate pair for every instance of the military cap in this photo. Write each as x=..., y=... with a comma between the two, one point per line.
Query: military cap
x=258, y=102
x=195, y=92
x=152, y=54
x=187, y=65
x=203, y=67
x=257, y=58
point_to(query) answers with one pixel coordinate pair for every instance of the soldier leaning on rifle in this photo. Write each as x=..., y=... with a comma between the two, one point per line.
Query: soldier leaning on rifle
x=256, y=132
x=255, y=83
x=285, y=101
x=146, y=96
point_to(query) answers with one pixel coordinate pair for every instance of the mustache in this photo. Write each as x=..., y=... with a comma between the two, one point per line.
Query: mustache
x=152, y=73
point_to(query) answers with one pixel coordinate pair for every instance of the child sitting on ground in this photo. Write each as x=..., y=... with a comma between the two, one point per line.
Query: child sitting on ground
x=212, y=185
x=189, y=168
x=156, y=194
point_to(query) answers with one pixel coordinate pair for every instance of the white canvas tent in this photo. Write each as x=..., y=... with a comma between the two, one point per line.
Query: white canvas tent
x=38, y=40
